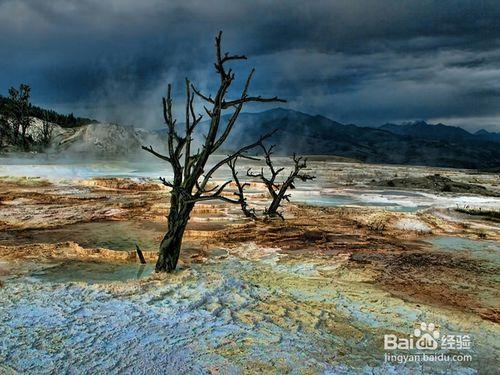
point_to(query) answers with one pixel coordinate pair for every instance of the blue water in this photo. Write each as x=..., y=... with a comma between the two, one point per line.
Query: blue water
x=350, y=200
x=479, y=249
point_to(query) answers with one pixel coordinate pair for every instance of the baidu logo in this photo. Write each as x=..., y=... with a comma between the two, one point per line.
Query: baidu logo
x=425, y=337
x=427, y=344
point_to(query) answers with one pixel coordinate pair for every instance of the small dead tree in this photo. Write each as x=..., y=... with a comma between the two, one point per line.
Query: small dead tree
x=278, y=191
x=190, y=180
x=248, y=212
x=19, y=116
x=4, y=131
x=46, y=132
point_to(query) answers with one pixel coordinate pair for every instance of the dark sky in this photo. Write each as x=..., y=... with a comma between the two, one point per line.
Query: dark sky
x=358, y=61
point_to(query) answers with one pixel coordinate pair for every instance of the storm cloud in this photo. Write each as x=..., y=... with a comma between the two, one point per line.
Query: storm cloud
x=365, y=62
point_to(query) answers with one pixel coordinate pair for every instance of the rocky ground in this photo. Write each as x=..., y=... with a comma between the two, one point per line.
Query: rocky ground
x=314, y=293
x=437, y=183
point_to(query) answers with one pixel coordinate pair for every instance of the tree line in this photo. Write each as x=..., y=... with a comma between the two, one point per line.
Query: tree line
x=17, y=118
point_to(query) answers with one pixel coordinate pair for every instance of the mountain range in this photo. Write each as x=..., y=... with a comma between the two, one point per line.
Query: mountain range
x=421, y=129
x=413, y=144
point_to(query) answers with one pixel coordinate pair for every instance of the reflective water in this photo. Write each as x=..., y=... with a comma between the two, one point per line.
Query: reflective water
x=401, y=201
x=479, y=249
x=353, y=200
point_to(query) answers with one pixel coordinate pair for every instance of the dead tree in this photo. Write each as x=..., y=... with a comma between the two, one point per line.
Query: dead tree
x=4, y=131
x=18, y=111
x=248, y=212
x=190, y=180
x=46, y=132
x=278, y=191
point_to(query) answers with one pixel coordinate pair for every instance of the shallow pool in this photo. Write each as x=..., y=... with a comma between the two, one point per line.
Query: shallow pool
x=480, y=249
x=386, y=200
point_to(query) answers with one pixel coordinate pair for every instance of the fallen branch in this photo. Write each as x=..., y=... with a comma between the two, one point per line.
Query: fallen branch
x=139, y=253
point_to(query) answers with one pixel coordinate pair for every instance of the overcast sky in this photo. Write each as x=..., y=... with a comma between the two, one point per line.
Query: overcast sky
x=356, y=61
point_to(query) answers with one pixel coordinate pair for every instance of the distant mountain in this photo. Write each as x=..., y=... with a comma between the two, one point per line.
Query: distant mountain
x=305, y=134
x=487, y=136
x=412, y=144
x=421, y=129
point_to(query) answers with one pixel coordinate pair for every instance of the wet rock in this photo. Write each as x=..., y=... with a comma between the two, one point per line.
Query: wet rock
x=438, y=183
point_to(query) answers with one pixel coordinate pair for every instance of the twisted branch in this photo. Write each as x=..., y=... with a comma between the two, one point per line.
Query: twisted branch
x=241, y=191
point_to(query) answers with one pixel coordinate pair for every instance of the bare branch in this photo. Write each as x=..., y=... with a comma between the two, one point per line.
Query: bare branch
x=166, y=183
x=201, y=95
x=248, y=99
x=234, y=116
x=209, y=113
x=230, y=157
x=216, y=195
x=209, y=198
x=227, y=57
x=158, y=155
x=241, y=190
x=211, y=189
x=221, y=188
x=170, y=121
x=270, y=186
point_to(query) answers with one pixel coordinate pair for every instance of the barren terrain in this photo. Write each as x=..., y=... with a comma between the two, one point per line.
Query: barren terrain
x=314, y=293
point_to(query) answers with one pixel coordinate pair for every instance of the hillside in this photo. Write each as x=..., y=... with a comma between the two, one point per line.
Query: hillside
x=306, y=134
x=65, y=121
x=432, y=145
x=487, y=136
x=423, y=130
x=96, y=141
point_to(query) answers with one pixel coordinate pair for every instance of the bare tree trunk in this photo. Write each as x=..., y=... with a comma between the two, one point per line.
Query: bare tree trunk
x=170, y=246
x=19, y=111
x=47, y=130
x=248, y=212
x=272, y=210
